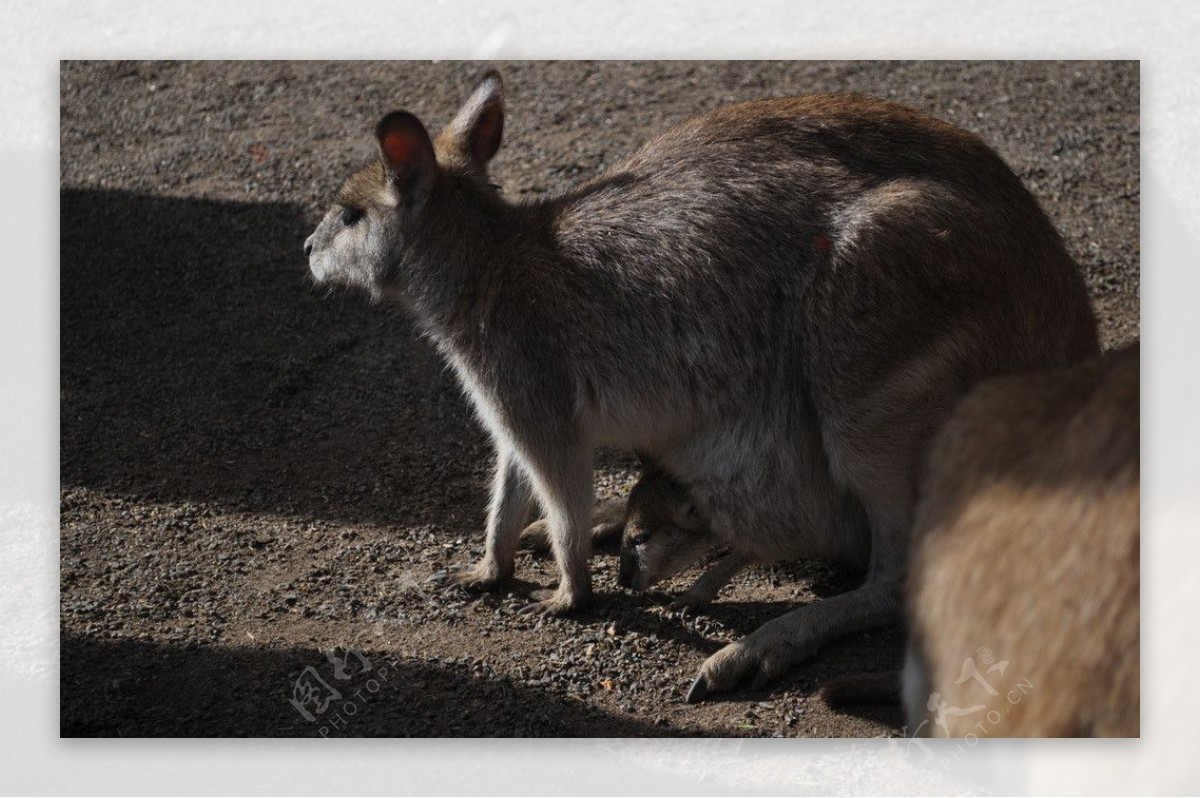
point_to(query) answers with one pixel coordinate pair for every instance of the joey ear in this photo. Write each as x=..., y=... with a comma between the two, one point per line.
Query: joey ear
x=648, y=463
x=687, y=516
x=478, y=127
x=407, y=155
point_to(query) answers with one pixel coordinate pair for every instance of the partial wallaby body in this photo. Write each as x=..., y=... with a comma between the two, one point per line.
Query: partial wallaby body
x=661, y=533
x=778, y=301
x=608, y=522
x=1023, y=595
x=665, y=533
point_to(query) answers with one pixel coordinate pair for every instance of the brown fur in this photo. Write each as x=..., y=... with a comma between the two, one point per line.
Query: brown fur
x=364, y=188
x=1026, y=551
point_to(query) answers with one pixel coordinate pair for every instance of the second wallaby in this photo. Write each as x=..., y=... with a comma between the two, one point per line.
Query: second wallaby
x=1023, y=593
x=1023, y=599
x=778, y=301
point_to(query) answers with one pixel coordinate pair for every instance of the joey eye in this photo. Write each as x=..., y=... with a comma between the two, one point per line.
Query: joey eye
x=350, y=216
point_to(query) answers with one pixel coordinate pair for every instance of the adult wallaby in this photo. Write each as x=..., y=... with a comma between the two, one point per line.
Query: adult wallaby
x=1022, y=601
x=764, y=292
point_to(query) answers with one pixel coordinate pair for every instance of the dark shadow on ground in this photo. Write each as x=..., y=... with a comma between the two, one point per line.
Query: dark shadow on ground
x=199, y=364
x=134, y=689
x=889, y=714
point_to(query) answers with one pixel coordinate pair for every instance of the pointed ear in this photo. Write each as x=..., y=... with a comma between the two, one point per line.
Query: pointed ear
x=479, y=126
x=407, y=155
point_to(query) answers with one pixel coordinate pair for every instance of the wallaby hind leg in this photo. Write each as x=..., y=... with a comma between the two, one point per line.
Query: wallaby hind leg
x=563, y=482
x=512, y=501
x=779, y=644
x=884, y=484
x=608, y=522
x=883, y=480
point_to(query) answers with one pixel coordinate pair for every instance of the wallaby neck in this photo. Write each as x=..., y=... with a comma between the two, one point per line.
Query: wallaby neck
x=464, y=258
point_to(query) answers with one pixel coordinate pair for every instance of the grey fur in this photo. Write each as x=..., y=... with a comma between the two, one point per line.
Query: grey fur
x=778, y=301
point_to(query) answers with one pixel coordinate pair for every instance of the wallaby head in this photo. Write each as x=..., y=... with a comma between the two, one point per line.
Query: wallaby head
x=368, y=239
x=664, y=531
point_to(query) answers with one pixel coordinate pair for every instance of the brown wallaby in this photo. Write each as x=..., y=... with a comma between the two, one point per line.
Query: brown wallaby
x=779, y=301
x=665, y=533
x=1022, y=600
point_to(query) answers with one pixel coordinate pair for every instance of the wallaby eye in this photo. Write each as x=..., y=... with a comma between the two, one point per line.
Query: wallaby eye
x=641, y=538
x=350, y=216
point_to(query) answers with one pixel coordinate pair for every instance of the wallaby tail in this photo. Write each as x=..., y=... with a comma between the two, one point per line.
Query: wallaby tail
x=862, y=688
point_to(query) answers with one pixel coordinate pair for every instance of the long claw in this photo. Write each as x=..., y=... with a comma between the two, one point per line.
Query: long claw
x=697, y=692
x=551, y=603
x=472, y=578
x=439, y=578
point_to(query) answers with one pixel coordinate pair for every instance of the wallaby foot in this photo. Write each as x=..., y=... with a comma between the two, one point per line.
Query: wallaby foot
x=691, y=600
x=862, y=688
x=480, y=577
x=556, y=602
x=764, y=655
x=608, y=522
x=773, y=648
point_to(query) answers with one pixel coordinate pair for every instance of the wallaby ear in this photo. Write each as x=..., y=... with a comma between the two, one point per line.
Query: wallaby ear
x=479, y=126
x=407, y=155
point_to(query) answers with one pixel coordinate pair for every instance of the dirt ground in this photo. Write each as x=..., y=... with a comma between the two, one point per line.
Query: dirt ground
x=254, y=473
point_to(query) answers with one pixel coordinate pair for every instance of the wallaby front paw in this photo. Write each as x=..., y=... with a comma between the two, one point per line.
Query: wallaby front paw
x=536, y=536
x=556, y=602
x=604, y=531
x=766, y=659
x=480, y=577
x=691, y=600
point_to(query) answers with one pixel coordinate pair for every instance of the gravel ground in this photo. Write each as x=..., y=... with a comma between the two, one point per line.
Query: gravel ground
x=254, y=473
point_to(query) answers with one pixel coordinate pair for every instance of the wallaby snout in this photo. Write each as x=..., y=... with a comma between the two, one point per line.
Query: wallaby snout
x=628, y=574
